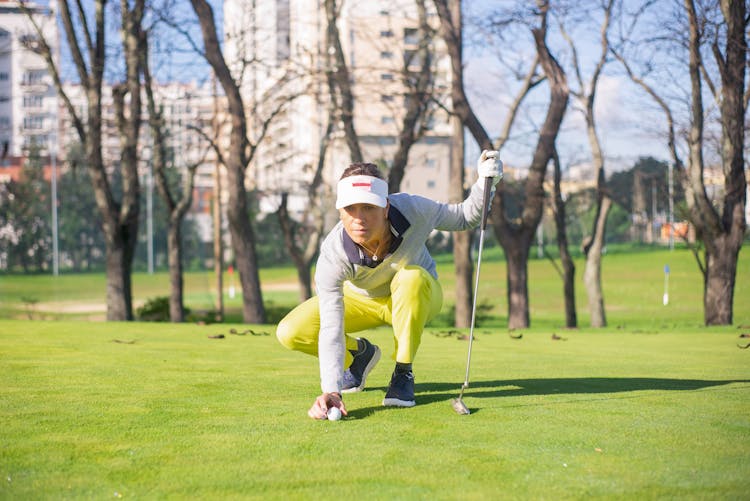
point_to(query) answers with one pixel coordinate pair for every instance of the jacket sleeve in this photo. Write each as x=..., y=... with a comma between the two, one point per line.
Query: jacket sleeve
x=330, y=274
x=465, y=215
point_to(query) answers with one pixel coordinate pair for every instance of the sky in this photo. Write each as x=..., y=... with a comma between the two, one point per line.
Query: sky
x=629, y=125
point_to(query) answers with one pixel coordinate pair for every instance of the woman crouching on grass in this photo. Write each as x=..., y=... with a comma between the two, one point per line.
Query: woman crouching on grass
x=374, y=269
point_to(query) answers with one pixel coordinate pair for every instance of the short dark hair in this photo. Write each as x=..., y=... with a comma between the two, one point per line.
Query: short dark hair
x=362, y=169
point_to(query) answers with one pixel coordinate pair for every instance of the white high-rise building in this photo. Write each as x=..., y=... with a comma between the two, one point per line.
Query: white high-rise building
x=277, y=49
x=186, y=109
x=28, y=98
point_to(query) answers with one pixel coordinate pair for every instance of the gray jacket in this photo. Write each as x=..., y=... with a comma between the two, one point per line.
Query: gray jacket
x=412, y=219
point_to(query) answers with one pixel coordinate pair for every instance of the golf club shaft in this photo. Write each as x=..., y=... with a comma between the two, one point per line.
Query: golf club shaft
x=485, y=214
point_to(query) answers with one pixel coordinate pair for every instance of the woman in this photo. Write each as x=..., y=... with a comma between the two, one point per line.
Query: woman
x=374, y=269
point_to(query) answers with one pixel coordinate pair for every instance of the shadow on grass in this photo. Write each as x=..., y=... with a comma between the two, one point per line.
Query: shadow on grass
x=427, y=393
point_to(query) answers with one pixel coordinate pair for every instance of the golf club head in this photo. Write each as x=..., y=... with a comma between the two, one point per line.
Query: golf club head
x=460, y=407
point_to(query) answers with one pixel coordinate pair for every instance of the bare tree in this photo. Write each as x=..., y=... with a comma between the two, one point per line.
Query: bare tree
x=302, y=240
x=119, y=217
x=239, y=154
x=516, y=236
x=451, y=30
x=721, y=226
x=568, y=271
x=339, y=81
x=420, y=94
x=586, y=97
x=177, y=204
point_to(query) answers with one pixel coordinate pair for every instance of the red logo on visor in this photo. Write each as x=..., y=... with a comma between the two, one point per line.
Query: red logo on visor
x=362, y=185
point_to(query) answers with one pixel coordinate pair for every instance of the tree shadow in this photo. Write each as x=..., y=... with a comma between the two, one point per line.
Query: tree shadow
x=428, y=393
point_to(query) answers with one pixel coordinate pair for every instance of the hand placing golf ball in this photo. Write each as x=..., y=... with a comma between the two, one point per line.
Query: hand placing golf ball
x=334, y=414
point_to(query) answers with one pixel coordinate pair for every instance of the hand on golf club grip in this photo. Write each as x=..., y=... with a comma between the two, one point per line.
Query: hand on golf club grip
x=490, y=165
x=324, y=402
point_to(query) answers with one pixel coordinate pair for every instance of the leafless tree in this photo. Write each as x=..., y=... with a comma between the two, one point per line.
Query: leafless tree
x=86, y=40
x=568, y=271
x=177, y=204
x=718, y=28
x=586, y=97
x=339, y=81
x=516, y=236
x=239, y=154
x=451, y=29
x=420, y=96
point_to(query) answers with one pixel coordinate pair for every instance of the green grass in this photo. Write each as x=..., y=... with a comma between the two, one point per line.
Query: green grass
x=633, y=285
x=620, y=413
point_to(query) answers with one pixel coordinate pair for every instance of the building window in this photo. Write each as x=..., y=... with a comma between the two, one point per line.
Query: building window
x=431, y=184
x=386, y=120
x=411, y=58
x=386, y=98
x=33, y=122
x=32, y=101
x=411, y=36
x=4, y=99
x=386, y=55
x=4, y=122
x=386, y=33
x=384, y=13
x=3, y=76
x=386, y=76
x=34, y=77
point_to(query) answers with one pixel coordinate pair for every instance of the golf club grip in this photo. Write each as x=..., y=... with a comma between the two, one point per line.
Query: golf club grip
x=485, y=201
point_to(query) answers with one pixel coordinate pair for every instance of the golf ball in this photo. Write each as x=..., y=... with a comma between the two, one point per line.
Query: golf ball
x=334, y=414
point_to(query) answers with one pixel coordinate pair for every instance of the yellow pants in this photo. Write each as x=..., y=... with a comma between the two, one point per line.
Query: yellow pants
x=416, y=298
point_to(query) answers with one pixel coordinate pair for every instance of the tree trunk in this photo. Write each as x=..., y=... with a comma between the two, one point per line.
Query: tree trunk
x=119, y=287
x=517, y=257
x=463, y=265
x=516, y=237
x=451, y=31
x=243, y=243
x=240, y=154
x=176, y=308
x=304, y=277
x=723, y=250
x=718, y=290
x=592, y=278
x=569, y=269
x=569, y=287
x=119, y=219
x=723, y=232
x=464, y=269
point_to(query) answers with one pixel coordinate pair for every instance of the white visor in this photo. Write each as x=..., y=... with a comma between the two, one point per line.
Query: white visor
x=361, y=190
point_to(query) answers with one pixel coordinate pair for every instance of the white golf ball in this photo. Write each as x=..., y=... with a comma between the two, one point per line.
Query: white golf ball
x=334, y=414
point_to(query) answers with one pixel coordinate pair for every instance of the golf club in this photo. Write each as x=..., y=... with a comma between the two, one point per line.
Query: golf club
x=458, y=403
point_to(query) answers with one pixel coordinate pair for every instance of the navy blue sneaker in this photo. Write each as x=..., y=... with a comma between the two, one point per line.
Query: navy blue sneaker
x=401, y=390
x=364, y=362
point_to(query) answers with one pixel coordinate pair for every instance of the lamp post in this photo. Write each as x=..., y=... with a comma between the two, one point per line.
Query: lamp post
x=55, y=236
x=671, y=205
x=150, y=216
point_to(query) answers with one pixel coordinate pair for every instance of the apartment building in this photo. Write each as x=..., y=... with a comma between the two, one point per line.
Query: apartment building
x=190, y=111
x=28, y=99
x=277, y=50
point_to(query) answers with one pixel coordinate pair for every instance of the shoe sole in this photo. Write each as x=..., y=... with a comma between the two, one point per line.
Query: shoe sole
x=396, y=402
x=371, y=365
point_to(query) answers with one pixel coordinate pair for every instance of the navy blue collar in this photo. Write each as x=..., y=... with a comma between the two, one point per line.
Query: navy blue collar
x=399, y=224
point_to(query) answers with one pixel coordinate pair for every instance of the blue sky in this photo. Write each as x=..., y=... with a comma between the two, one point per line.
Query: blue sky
x=628, y=124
